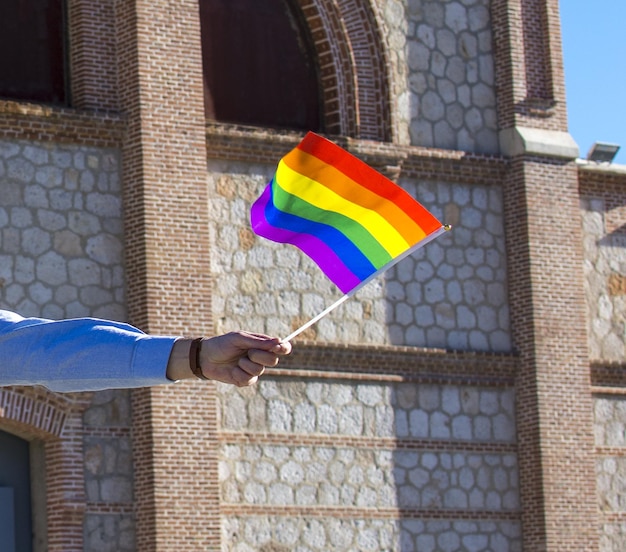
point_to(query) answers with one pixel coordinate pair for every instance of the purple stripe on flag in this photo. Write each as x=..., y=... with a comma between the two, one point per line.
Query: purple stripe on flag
x=316, y=249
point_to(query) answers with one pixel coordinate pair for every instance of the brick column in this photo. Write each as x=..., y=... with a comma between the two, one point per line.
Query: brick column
x=546, y=292
x=548, y=319
x=167, y=262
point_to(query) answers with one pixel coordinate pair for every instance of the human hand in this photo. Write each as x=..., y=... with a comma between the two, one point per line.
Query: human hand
x=239, y=358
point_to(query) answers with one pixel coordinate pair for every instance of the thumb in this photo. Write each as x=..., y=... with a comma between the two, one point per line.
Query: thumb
x=263, y=342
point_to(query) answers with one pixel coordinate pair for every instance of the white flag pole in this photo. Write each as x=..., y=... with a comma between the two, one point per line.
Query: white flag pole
x=382, y=269
x=318, y=317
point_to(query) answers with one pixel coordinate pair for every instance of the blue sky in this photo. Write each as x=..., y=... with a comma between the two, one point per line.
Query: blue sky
x=594, y=52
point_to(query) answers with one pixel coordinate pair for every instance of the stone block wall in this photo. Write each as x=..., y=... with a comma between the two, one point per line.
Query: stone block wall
x=604, y=213
x=109, y=519
x=610, y=440
x=310, y=464
x=443, y=62
x=61, y=230
x=603, y=206
x=61, y=256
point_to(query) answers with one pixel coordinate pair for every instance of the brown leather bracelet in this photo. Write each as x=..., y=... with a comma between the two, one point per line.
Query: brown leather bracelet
x=194, y=358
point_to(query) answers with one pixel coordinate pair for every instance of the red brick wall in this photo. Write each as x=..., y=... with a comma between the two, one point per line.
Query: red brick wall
x=92, y=37
x=46, y=124
x=556, y=455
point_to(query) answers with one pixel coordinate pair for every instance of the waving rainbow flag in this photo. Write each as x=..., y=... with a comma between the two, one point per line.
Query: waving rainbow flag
x=350, y=219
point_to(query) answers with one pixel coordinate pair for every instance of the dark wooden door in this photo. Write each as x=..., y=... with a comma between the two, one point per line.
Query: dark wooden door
x=15, y=504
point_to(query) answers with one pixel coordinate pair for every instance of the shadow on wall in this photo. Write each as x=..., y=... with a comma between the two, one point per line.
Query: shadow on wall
x=455, y=455
x=616, y=238
x=452, y=293
x=369, y=465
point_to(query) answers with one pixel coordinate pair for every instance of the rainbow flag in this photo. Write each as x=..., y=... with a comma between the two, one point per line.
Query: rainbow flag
x=350, y=219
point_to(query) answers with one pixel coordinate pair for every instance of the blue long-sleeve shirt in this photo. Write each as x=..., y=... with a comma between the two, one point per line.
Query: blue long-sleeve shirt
x=83, y=354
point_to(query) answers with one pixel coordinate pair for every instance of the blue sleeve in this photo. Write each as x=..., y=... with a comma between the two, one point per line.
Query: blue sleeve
x=83, y=354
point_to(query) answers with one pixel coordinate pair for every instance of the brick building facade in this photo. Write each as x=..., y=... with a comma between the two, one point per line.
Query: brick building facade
x=473, y=398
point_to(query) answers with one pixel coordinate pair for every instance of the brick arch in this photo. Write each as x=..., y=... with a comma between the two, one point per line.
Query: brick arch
x=32, y=413
x=56, y=421
x=352, y=65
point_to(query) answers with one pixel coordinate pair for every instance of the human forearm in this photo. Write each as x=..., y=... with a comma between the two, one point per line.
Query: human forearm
x=80, y=354
x=238, y=358
x=89, y=354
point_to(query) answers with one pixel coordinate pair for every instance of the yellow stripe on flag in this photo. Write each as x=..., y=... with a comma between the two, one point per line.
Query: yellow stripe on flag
x=322, y=197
